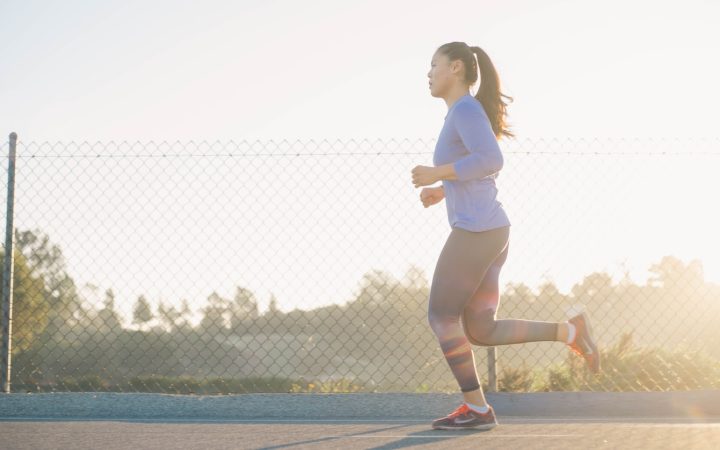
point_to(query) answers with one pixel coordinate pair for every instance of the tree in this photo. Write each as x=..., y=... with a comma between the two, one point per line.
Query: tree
x=142, y=314
x=375, y=287
x=272, y=307
x=168, y=316
x=548, y=291
x=593, y=285
x=184, y=315
x=244, y=309
x=217, y=314
x=415, y=278
x=672, y=273
x=245, y=303
x=30, y=311
x=46, y=261
x=519, y=293
x=107, y=318
x=274, y=315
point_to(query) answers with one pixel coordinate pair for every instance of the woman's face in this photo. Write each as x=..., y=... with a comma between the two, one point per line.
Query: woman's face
x=442, y=74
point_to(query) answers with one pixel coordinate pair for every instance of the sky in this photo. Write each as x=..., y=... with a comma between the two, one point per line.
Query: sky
x=221, y=71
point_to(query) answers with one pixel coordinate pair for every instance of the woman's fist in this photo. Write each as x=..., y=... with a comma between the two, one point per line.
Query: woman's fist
x=424, y=175
x=430, y=196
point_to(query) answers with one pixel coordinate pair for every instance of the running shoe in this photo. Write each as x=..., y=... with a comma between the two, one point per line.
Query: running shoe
x=464, y=417
x=583, y=344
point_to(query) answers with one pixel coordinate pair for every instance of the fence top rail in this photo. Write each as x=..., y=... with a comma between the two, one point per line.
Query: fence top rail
x=582, y=146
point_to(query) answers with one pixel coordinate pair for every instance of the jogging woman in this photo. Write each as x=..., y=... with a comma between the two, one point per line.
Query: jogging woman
x=464, y=288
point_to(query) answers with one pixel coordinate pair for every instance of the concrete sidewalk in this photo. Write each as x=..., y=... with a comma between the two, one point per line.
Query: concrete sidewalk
x=111, y=406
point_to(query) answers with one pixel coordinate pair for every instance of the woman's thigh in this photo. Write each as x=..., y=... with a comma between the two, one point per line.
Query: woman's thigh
x=462, y=265
x=487, y=294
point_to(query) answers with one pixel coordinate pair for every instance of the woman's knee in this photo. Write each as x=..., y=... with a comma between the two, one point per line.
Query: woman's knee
x=443, y=325
x=480, y=327
x=437, y=324
x=445, y=306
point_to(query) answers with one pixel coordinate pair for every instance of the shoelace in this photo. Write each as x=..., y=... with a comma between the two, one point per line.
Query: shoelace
x=458, y=411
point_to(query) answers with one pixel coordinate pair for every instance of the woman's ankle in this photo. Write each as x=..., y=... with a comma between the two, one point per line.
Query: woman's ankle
x=565, y=332
x=476, y=398
x=562, y=332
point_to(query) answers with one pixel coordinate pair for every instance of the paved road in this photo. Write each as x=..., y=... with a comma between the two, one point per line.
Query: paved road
x=525, y=433
x=349, y=421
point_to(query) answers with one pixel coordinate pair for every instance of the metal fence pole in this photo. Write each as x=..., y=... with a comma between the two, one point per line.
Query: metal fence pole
x=7, y=292
x=492, y=370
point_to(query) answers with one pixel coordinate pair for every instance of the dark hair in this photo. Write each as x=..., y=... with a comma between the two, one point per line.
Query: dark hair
x=489, y=92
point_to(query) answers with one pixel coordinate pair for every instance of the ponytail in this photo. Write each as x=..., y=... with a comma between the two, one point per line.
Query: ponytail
x=489, y=93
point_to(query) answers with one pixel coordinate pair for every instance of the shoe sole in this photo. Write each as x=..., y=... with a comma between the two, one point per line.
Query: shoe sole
x=477, y=427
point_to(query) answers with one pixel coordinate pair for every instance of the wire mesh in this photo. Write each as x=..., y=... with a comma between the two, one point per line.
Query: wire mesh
x=304, y=266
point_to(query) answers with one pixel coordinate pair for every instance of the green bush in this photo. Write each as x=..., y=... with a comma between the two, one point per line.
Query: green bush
x=514, y=379
x=626, y=367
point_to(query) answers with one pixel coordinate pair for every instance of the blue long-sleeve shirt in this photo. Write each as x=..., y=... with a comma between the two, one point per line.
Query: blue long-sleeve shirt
x=467, y=140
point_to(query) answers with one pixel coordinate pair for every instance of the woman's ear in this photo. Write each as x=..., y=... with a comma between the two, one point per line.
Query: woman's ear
x=456, y=67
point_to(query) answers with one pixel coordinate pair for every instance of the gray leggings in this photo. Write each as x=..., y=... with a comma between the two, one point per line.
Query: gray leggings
x=465, y=289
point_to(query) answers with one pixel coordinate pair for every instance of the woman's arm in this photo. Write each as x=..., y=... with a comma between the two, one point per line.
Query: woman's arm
x=476, y=133
x=446, y=172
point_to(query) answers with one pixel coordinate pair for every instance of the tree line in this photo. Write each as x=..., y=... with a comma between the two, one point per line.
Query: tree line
x=379, y=338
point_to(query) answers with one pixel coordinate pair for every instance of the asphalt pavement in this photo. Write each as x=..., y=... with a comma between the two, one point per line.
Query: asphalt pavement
x=349, y=421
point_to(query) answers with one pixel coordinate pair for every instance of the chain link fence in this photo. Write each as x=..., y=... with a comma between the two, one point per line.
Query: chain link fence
x=304, y=266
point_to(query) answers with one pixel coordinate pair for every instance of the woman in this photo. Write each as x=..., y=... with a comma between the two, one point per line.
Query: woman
x=464, y=288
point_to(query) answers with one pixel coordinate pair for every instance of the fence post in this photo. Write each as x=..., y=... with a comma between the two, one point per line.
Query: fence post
x=492, y=370
x=7, y=292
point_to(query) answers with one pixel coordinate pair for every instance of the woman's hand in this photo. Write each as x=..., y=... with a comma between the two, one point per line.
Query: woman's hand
x=424, y=175
x=430, y=196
